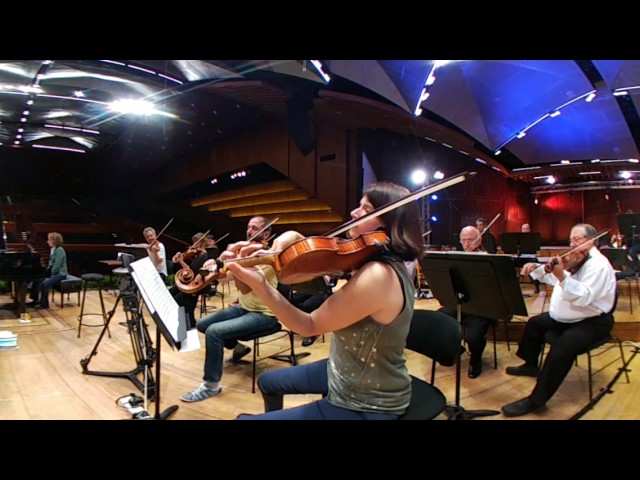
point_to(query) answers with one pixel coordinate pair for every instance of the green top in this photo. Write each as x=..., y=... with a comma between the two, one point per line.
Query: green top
x=366, y=368
x=58, y=262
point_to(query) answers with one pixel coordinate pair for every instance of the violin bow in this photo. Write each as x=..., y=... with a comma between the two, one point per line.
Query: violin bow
x=200, y=238
x=434, y=187
x=259, y=232
x=164, y=228
x=478, y=240
x=221, y=238
x=486, y=229
x=426, y=233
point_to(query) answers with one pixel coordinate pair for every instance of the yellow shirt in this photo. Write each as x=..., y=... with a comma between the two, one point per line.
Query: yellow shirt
x=251, y=302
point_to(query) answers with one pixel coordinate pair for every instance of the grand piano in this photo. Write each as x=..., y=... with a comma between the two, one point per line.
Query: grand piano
x=20, y=268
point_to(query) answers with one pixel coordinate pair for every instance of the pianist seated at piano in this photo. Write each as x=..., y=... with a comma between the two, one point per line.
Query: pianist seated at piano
x=56, y=272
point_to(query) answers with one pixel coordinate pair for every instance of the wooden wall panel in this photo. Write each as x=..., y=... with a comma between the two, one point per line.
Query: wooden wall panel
x=331, y=173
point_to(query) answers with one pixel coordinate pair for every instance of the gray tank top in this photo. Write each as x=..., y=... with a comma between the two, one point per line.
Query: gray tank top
x=366, y=367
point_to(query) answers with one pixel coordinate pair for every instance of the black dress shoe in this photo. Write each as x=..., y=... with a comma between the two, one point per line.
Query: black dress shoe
x=524, y=371
x=32, y=303
x=475, y=370
x=42, y=307
x=519, y=408
x=306, y=341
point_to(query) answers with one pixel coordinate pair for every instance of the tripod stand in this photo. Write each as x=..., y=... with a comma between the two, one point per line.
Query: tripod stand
x=143, y=350
x=489, y=287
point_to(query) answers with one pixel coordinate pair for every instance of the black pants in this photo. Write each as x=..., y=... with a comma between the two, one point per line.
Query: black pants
x=475, y=329
x=188, y=301
x=575, y=338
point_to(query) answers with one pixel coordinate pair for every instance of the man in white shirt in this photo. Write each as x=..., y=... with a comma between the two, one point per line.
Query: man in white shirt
x=580, y=310
x=156, y=251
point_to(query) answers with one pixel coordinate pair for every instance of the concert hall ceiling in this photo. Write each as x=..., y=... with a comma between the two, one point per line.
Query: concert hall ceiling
x=575, y=120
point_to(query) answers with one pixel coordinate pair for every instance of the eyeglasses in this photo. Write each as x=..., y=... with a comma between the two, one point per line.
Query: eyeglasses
x=576, y=239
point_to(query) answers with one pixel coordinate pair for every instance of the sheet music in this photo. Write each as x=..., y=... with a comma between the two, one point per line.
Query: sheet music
x=156, y=295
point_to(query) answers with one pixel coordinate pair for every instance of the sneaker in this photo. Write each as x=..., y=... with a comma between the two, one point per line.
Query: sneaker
x=307, y=341
x=236, y=356
x=201, y=393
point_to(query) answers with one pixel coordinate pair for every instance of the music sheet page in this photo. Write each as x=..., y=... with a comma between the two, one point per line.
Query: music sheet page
x=156, y=295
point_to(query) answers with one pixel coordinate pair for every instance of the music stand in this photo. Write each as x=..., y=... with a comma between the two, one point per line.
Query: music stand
x=479, y=284
x=519, y=243
x=139, y=251
x=168, y=316
x=629, y=225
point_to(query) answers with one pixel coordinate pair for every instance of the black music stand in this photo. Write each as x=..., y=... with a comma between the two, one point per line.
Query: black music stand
x=480, y=284
x=169, y=317
x=518, y=243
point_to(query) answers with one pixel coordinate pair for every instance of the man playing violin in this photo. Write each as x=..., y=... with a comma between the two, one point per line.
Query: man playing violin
x=580, y=310
x=157, y=252
x=222, y=328
x=193, y=259
x=365, y=376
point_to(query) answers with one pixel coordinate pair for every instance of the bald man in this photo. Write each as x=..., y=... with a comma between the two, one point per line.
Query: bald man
x=525, y=228
x=476, y=327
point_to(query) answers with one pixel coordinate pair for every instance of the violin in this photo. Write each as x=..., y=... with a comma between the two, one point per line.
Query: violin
x=574, y=258
x=571, y=262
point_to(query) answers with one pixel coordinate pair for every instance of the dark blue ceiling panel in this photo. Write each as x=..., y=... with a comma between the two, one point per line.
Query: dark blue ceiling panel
x=619, y=73
x=583, y=131
x=399, y=81
x=492, y=100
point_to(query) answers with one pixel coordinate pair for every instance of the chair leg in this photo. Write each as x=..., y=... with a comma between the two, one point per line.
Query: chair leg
x=256, y=343
x=506, y=334
x=84, y=295
x=433, y=372
x=624, y=360
x=495, y=349
x=590, y=380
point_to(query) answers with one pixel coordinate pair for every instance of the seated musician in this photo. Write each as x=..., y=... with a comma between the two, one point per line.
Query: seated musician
x=222, y=328
x=157, y=252
x=198, y=255
x=56, y=272
x=580, y=310
x=476, y=326
x=365, y=376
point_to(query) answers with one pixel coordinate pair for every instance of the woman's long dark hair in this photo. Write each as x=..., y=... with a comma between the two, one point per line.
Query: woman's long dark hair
x=403, y=223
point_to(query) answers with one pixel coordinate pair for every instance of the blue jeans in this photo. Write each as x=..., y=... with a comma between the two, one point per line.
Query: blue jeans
x=222, y=330
x=41, y=286
x=305, y=379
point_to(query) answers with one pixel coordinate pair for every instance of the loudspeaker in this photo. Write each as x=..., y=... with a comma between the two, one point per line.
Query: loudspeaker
x=298, y=108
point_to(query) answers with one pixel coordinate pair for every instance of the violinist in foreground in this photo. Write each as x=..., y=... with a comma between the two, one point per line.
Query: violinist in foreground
x=222, y=328
x=365, y=376
x=580, y=310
